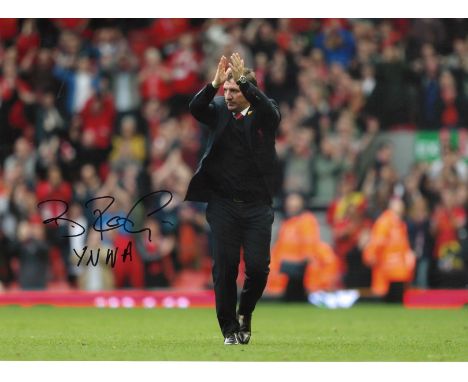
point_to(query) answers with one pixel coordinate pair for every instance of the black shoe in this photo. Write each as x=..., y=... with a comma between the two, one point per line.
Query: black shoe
x=231, y=339
x=245, y=330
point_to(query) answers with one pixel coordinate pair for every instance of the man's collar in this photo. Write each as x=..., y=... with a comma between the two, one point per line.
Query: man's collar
x=243, y=112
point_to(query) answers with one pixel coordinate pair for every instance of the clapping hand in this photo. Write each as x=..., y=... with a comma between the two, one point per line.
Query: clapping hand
x=237, y=66
x=221, y=73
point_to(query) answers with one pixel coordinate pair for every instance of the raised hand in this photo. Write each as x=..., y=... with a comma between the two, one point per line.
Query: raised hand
x=222, y=73
x=237, y=66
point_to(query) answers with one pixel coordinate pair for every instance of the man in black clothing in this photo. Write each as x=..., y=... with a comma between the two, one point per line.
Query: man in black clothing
x=237, y=177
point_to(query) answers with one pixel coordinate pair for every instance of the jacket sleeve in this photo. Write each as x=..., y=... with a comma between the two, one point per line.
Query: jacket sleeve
x=260, y=101
x=202, y=107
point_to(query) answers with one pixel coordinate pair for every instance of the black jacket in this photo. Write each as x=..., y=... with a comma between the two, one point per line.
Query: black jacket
x=261, y=126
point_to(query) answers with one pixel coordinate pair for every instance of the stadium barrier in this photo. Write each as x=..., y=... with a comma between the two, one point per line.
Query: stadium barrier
x=436, y=298
x=111, y=299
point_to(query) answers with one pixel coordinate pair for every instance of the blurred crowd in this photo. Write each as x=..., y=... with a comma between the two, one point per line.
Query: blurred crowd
x=99, y=107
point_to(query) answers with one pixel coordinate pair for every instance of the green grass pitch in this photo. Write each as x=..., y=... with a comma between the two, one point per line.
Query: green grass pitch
x=281, y=332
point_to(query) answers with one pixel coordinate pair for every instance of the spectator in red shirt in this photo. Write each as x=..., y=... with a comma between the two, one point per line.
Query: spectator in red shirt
x=74, y=25
x=55, y=187
x=155, y=77
x=156, y=255
x=284, y=35
x=28, y=40
x=164, y=31
x=97, y=125
x=447, y=219
x=452, y=106
x=8, y=29
x=350, y=226
x=184, y=63
x=14, y=94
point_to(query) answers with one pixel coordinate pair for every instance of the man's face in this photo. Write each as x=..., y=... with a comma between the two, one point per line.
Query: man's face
x=234, y=98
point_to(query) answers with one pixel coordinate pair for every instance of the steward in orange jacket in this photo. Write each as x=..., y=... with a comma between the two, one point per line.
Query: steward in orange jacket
x=323, y=271
x=299, y=241
x=388, y=252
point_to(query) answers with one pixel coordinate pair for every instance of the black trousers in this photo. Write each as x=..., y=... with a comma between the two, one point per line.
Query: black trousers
x=235, y=225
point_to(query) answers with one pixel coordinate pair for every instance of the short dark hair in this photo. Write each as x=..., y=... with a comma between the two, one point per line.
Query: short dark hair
x=249, y=74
